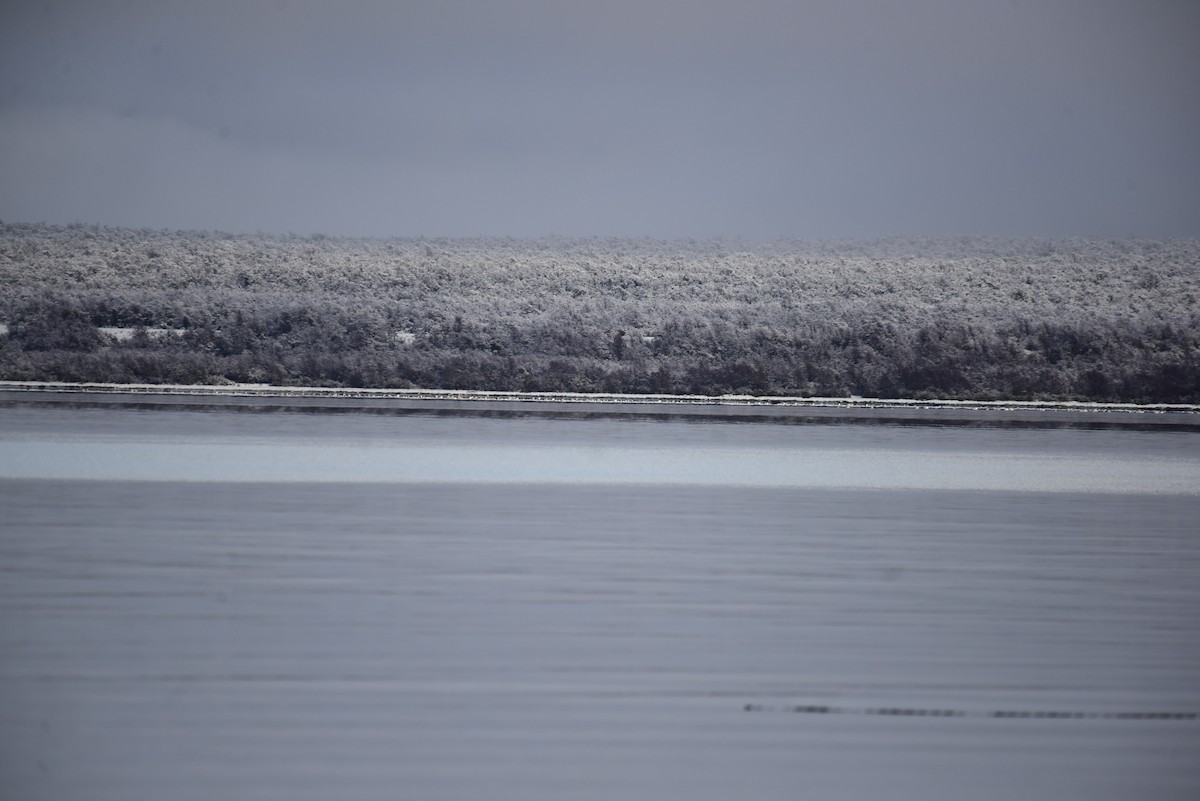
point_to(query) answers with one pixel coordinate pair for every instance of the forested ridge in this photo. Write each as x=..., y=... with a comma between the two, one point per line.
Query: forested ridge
x=1081, y=319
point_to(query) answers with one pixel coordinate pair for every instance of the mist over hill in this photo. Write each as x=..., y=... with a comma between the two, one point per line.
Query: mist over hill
x=968, y=318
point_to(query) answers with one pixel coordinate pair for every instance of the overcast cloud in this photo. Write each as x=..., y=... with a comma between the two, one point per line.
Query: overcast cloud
x=660, y=117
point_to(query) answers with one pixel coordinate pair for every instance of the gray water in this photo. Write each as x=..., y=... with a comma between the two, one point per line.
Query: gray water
x=213, y=604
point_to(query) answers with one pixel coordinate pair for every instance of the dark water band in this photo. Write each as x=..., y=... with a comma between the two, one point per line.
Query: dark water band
x=1042, y=714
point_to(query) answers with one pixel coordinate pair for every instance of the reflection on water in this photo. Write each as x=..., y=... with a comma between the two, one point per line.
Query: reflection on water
x=562, y=635
x=224, y=446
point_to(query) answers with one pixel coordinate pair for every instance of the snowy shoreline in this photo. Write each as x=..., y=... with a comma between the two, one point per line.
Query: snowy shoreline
x=468, y=398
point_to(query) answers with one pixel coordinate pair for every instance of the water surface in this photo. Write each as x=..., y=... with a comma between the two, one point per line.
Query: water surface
x=200, y=604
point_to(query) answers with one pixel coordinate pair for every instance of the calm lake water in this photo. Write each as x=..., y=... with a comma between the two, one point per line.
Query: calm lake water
x=207, y=603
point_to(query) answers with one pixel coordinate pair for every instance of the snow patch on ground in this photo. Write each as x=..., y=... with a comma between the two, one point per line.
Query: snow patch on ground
x=121, y=334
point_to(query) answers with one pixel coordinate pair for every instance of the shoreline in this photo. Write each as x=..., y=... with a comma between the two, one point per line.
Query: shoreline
x=262, y=396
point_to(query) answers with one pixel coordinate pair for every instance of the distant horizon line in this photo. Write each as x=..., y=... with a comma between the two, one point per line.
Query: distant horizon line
x=709, y=238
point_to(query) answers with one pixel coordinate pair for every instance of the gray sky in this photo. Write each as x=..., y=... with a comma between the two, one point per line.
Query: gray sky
x=664, y=118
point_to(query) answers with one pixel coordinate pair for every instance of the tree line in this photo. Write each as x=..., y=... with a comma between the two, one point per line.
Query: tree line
x=969, y=318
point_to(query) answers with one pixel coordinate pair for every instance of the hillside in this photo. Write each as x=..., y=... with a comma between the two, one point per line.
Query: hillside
x=975, y=318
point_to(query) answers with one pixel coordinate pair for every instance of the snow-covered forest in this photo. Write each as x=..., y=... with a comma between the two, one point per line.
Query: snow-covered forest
x=968, y=318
